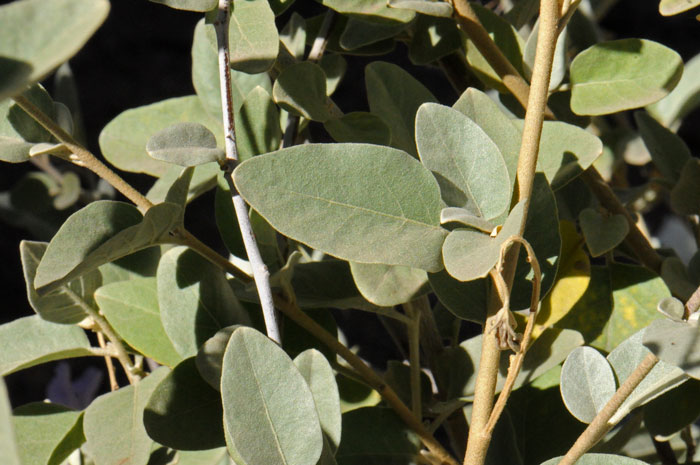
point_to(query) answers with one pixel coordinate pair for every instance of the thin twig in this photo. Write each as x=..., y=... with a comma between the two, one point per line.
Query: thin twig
x=413, y=330
x=321, y=41
x=600, y=425
x=373, y=379
x=692, y=305
x=260, y=272
x=687, y=437
x=113, y=385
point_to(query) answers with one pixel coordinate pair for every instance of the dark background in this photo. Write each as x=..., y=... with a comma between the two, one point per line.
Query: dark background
x=141, y=55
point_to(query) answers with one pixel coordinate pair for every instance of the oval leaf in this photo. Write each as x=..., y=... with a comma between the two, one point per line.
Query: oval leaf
x=269, y=410
x=38, y=36
x=253, y=38
x=47, y=433
x=683, y=401
x=387, y=285
x=682, y=100
x=190, y=5
x=599, y=459
x=358, y=202
x=673, y=7
x=668, y=151
x=185, y=144
x=468, y=165
x=676, y=343
x=360, y=127
x=9, y=452
x=602, y=233
x=637, y=72
x=301, y=89
x=426, y=7
x=587, y=383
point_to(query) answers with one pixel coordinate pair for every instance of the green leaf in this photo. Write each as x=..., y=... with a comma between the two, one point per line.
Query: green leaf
x=685, y=97
x=47, y=433
x=26, y=126
x=184, y=412
x=387, y=285
x=190, y=5
x=13, y=147
x=622, y=74
x=668, y=151
x=377, y=11
x=676, y=343
x=465, y=218
x=683, y=401
x=313, y=26
x=334, y=67
x=599, y=459
x=318, y=374
x=426, y=7
x=468, y=165
x=673, y=7
x=636, y=291
x=202, y=179
x=296, y=339
x=625, y=359
x=559, y=63
x=470, y=254
x=100, y=233
x=293, y=35
x=433, y=38
x=398, y=377
x=132, y=309
x=394, y=95
x=38, y=36
x=210, y=356
x=587, y=383
x=143, y=263
x=64, y=305
x=31, y=341
x=113, y=424
x=506, y=38
x=301, y=90
x=360, y=127
x=685, y=197
x=195, y=300
x=358, y=202
x=226, y=219
x=205, y=75
x=217, y=456
x=253, y=38
x=376, y=436
x=602, y=232
x=358, y=33
x=269, y=410
x=185, y=144
x=257, y=125
x=9, y=452
x=465, y=300
x=123, y=141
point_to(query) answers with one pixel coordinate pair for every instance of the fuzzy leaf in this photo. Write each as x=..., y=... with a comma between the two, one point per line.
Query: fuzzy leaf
x=387, y=285
x=358, y=202
x=668, y=151
x=673, y=7
x=185, y=144
x=685, y=97
x=257, y=125
x=301, y=89
x=676, y=343
x=622, y=74
x=190, y=5
x=47, y=433
x=602, y=233
x=359, y=126
x=9, y=452
x=370, y=10
x=253, y=38
x=426, y=7
x=685, y=196
x=599, y=459
x=587, y=383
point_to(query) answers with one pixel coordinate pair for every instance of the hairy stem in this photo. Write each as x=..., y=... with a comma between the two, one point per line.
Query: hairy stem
x=373, y=379
x=479, y=436
x=600, y=424
x=260, y=271
x=414, y=357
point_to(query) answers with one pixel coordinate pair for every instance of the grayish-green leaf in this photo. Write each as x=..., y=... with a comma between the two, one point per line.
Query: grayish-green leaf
x=65, y=304
x=217, y=456
x=293, y=35
x=301, y=89
x=203, y=179
x=388, y=285
x=100, y=233
x=426, y=7
x=185, y=144
x=465, y=300
x=602, y=232
x=465, y=218
x=671, y=308
x=123, y=141
x=257, y=125
x=358, y=33
x=468, y=165
x=507, y=39
x=184, y=412
x=69, y=193
x=253, y=38
x=205, y=74
x=26, y=126
x=334, y=67
x=38, y=36
x=673, y=7
x=195, y=300
x=433, y=38
x=318, y=374
x=559, y=63
x=358, y=202
x=470, y=254
x=394, y=96
x=685, y=195
x=31, y=341
x=376, y=436
x=625, y=359
x=682, y=401
x=676, y=343
x=668, y=151
x=132, y=309
x=599, y=459
x=370, y=10
x=190, y=5
x=210, y=356
x=684, y=98
x=587, y=383
x=622, y=74
x=113, y=424
x=269, y=411
x=13, y=147
x=9, y=452
x=47, y=433
x=360, y=127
